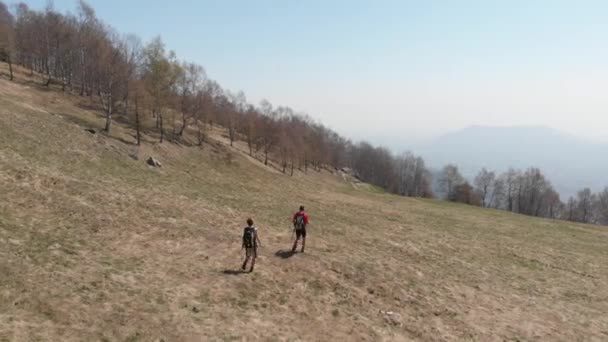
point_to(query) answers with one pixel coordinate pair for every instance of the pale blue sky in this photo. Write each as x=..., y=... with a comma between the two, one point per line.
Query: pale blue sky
x=394, y=72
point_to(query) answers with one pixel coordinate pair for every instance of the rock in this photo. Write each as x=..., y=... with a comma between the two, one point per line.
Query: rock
x=91, y=130
x=392, y=318
x=153, y=162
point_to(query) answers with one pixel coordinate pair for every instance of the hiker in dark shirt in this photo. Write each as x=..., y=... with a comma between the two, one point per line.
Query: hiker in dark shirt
x=251, y=242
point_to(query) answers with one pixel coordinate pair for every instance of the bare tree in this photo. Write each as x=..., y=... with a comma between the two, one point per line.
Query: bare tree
x=250, y=128
x=483, y=183
x=160, y=77
x=413, y=178
x=497, y=196
x=204, y=109
x=570, y=209
x=268, y=128
x=554, y=204
x=533, y=191
x=465, y=193
x=449, y=179
x=601, y=207
x=190, y=81
x=141, y=100
x=7, y=37
x=112, y=76
x=585, y=200
x=511, y=186
x=133, y=55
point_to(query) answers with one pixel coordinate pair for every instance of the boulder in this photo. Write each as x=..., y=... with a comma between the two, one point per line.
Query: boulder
x=392, y=318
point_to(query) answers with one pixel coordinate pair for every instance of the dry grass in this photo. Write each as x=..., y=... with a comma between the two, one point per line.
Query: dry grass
x=94, y=245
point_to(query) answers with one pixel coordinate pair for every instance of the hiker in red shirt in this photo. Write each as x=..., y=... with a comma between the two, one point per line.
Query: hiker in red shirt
x=300, y=221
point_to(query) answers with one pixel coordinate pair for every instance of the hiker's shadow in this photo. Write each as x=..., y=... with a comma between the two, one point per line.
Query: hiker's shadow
x=284, y=254
x=233, y=272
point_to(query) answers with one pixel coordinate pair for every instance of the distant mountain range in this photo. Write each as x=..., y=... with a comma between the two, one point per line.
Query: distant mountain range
x=569, y=162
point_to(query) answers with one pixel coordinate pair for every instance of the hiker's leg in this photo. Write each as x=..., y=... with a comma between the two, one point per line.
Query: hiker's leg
x=295, y=245
x=252, y=264
x=298, y=237
x=303, y=239
x=245, y=262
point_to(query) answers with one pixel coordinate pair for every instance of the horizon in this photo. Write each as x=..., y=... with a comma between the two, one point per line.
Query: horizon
x=397, y=73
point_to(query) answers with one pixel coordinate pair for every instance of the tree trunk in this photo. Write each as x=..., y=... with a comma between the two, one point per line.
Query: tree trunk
x=160, y=126
x=183, y=128
x=173, y=131
x=291, y=168
x=82, y=86
x=126, y=111
x=109, y=115
x=10, y=66
x=138, y=135
x=265, y=156
x=200, y=135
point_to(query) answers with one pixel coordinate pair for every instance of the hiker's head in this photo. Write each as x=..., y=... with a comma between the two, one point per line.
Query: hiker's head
x=301, y=208
x=250, y=222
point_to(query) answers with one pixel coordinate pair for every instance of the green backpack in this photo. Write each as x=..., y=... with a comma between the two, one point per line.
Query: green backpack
x=249, y=237
x=300, y=221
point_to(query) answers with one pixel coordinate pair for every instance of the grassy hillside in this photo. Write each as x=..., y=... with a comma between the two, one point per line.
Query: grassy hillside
x=95, y=245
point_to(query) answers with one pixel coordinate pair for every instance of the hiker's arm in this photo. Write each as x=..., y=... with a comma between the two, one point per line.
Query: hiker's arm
x=258, y=238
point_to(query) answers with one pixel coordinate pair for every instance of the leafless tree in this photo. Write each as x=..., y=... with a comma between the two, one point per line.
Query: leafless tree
x=585, y=200
x=7, y=37
x=511, y=186
x=160, y=77
x=449, y=179
x=465, y=193
x=497, y=196
x=483, y=183
x=112, y=72
x=413, y=178
x=601, y=207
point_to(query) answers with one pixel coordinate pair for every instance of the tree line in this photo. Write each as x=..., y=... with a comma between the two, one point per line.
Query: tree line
x=151, y=89
x=526, y=192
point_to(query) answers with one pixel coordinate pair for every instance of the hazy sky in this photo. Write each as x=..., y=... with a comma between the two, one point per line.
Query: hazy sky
x=394, y=71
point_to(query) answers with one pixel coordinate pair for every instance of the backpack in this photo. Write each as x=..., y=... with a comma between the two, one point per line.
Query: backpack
x=249, y=237
x=300, y=221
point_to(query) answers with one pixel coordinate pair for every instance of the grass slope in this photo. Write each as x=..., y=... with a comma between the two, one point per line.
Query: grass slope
x=95, y=245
